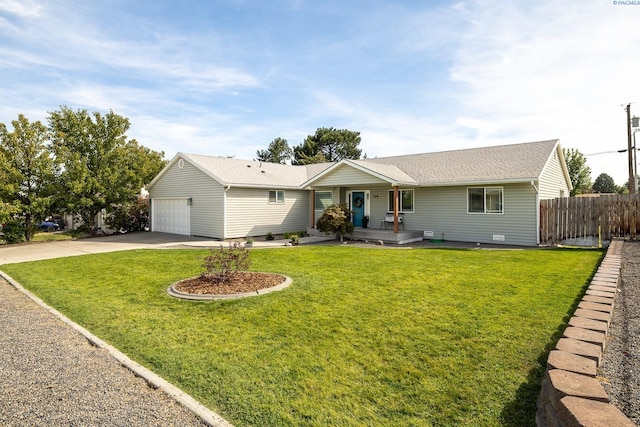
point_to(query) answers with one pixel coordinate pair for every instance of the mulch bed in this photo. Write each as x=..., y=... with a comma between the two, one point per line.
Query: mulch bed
x=241, y=282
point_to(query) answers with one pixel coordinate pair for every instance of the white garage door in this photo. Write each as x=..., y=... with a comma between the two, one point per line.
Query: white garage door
x=171, y=216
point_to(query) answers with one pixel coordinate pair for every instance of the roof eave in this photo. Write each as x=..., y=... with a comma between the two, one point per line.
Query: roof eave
x=482, y=182
x=263, y=186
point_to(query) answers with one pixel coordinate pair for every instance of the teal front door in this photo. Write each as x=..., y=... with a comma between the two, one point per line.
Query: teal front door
x=357, y=206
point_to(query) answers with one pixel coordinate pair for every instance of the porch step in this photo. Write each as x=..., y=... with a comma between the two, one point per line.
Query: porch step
x=387, y=236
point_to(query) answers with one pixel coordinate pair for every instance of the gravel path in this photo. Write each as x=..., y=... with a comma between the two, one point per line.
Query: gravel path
x=52, y=376
x=620, y=370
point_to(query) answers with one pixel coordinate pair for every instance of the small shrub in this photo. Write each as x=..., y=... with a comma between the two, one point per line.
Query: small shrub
x=295, y=239
x=270, y=236
x=336, y=219
x=132, y=215
x=221, y=264
x=286, y=235
x=13, y=232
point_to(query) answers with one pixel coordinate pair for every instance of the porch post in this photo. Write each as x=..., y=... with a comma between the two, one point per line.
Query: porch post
x=395, y=209
x=313, y=208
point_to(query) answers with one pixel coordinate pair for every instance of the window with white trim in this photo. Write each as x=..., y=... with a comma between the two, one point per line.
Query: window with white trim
x=485, y=200
x=276, y=196
x=405, y=200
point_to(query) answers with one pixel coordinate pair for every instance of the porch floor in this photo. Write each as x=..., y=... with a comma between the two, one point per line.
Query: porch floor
x=387, y=236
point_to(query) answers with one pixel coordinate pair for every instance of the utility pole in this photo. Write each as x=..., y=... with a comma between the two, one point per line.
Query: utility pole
x=632, y=178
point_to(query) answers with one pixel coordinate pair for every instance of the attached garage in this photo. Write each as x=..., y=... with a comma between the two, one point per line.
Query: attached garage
x=171, y=216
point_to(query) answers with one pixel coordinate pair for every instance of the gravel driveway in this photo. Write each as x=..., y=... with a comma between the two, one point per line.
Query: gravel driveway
x=620, y=370
x=51, y=376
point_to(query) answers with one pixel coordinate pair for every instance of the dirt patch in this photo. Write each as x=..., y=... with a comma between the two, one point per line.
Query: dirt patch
x=241, y=282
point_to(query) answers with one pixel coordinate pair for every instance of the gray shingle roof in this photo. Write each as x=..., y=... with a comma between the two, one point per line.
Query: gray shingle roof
x=390, y=171
x=249, y=173
x=516, y=162
x=504, y=163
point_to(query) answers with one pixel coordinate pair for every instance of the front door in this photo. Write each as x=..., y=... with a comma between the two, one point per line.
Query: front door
x=357, y=206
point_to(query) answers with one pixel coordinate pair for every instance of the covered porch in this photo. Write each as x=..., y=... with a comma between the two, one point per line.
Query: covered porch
x=379, y=207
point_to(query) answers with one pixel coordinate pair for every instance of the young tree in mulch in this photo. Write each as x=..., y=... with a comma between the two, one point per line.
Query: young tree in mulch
x=222, y=264
x=336, y=219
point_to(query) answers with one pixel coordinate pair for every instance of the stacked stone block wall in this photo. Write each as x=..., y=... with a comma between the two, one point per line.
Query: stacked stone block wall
x=571, y=395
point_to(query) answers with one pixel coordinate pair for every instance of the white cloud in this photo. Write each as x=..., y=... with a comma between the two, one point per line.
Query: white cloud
x=20, y=8
x=549, y=70
x=411, y=78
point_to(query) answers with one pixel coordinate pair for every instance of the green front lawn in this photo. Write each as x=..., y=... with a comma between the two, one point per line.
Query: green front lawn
x=363, y=336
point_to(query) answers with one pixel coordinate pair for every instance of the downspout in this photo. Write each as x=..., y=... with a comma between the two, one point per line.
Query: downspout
x=533, y=184
x=224, y=212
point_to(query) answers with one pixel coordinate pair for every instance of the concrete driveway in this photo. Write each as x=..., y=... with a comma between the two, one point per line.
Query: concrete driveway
x=46, y=250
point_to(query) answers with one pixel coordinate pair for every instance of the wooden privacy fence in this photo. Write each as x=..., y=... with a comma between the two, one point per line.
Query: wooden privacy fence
x=602, y=217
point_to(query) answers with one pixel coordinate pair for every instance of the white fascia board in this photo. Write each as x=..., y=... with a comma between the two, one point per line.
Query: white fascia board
x=271, y=187
x=330, y=169
x=477, y=183
x=563, y=164
x=321, y=174
x=184, y=157
x=203, y=170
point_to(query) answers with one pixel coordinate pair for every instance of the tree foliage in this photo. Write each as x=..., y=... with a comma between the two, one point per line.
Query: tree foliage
x=307, y=153
x=604, y=184
x=27, y=175
x=278, y=152
x=101, y=167
x=130, y=215
x=328, y=145
x=336, y=219
x=579, y=172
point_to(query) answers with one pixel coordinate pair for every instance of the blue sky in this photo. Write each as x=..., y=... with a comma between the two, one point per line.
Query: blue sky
x=228, y=77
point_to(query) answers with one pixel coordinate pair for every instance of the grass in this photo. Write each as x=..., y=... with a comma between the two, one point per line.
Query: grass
x=362, y=337
x=50, y=237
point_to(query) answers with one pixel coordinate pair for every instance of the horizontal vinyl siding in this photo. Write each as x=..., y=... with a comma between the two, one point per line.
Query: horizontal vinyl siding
x=207, y=218
x=552, y=180
x=345, y=176
x=249, y=212
x=443, y=210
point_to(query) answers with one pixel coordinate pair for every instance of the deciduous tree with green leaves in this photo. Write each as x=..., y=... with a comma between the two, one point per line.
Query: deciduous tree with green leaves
x=278, y=152
x=336, y=219
x=27, y=174
x=328, y=145
x=579, y=172
x=101, y=167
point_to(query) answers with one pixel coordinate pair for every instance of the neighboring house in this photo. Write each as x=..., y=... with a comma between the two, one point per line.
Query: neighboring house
x=485, y=195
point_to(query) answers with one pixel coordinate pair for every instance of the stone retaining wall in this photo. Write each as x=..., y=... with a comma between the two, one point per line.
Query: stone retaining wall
x=571, y=395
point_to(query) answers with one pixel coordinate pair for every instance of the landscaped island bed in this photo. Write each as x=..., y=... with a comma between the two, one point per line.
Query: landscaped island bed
x=361, y=337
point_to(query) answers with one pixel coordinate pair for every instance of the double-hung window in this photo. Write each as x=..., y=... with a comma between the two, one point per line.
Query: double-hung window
x=276, y=196
x=485, y=200
x=405, y=200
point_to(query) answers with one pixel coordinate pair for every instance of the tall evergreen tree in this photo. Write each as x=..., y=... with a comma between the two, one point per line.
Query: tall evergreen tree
x=278, y=152
x=328, y=145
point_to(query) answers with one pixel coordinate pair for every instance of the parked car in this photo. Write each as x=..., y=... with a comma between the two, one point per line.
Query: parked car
x=48, y=226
